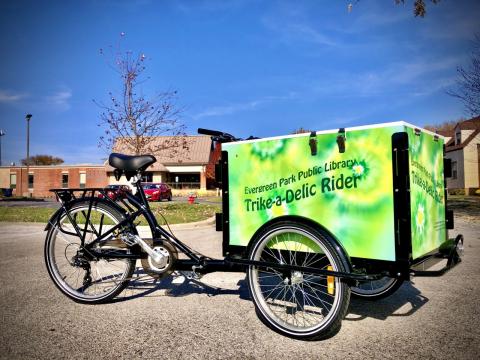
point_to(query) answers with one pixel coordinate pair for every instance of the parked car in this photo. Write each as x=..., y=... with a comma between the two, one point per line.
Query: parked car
x=157, y=191
x=114, y=191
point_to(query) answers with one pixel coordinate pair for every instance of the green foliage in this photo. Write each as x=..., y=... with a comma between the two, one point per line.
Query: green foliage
x=43, y=160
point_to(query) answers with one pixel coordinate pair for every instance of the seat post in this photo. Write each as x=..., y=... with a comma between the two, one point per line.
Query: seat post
x=141, y=194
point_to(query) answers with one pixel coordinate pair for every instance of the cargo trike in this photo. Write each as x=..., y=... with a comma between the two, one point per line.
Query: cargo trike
x=311, y=218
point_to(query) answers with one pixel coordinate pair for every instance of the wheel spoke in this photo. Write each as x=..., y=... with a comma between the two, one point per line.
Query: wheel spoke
x=295, y=302
x=68, y=260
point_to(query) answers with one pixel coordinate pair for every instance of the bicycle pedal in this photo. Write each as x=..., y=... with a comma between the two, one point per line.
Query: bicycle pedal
x=192, y=275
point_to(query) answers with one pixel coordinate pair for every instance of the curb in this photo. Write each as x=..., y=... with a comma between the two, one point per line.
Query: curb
x=208, y=222
x=204, y=223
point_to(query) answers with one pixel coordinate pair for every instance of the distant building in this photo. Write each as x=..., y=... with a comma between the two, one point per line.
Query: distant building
x=41, y=178
x=463, y=148
x=189, y=168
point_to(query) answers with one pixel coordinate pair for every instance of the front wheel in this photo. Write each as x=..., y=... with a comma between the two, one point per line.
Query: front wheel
x=298, y=304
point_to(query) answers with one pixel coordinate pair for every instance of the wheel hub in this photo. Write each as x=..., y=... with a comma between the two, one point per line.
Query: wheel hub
x=296, y=277
x=165, y=257
x=162, y=267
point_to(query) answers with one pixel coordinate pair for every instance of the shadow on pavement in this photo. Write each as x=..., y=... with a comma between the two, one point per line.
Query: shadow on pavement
x=404, y=302
x=176, y=285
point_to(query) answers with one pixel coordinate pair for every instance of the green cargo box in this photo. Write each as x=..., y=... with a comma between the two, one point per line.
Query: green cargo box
x=378, y=190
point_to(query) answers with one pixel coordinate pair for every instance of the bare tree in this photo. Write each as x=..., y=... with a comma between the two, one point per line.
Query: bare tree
x=444, y=127
x=132, y=121
x=468, y=82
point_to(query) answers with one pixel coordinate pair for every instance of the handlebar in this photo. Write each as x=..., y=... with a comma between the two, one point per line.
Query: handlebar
x=218, y=135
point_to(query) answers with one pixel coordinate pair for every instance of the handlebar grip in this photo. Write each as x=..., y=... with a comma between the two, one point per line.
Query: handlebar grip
x=210, y=132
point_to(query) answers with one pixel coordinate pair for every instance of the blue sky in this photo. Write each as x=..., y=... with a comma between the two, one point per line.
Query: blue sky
x=247, y=67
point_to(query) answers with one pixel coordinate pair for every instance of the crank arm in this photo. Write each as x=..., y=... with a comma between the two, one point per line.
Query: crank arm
x=145, y=247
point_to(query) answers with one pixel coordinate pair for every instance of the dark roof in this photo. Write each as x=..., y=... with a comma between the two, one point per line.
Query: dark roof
x=471, y=124
x=446, y=133
x=451, y=147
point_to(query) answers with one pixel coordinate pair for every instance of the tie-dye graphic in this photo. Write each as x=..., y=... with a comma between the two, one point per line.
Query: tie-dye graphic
x=350, y=193
x=426, y=192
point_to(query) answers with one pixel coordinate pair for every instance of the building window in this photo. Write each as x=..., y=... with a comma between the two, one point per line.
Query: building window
x=147, y=177
x=64, y=180
x=13, y=181
x=30, y=181
x=458, y=138
x=83, y=180
x=183, y=181
x=454, y=170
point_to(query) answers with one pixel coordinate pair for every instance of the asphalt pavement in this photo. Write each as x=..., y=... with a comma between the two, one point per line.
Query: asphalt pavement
x=214, y=317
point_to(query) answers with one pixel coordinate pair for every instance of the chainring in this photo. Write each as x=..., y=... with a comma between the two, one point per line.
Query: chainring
x=154, y=269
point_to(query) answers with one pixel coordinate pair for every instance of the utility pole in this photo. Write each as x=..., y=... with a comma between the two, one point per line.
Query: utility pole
x=28, y=117
x=2, y=133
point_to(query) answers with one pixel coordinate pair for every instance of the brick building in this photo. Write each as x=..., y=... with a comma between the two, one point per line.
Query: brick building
x=41, y=179
x=189, y=169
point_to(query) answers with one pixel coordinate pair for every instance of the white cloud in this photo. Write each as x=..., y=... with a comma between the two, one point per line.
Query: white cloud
x=7, y=96
x=372, y=17
x=293, y=31
x=60, y=99
x=237, y=107
x=209, y=5
x=71, y=153
x=417, y=77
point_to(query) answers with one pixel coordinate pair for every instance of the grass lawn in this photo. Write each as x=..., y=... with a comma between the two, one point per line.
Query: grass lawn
x=175, y=213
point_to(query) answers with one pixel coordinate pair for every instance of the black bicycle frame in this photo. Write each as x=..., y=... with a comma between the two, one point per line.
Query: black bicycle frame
x=140, y=207
x=137, y=205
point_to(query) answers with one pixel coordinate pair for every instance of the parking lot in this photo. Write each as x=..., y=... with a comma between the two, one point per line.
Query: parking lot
x=214, y=318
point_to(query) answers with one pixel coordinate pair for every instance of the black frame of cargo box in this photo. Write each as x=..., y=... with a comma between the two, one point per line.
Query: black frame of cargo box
x=403, y=266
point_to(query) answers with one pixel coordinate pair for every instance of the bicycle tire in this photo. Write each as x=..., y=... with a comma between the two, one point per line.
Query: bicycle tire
x=279, y=297
x=55, y=257
x=379, y=289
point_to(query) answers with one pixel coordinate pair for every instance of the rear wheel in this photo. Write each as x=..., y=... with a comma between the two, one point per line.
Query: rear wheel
x=295, y=303
x=376, y=289
x=77, y=274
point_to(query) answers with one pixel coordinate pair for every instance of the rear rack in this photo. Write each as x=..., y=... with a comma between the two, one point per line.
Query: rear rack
x=65, y=195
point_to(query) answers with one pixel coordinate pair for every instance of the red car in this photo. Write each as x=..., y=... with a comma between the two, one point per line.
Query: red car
x=114, y=191
x=157, y=191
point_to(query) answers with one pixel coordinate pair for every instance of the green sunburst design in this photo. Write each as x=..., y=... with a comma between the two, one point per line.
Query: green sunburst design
x=360, y=169
x=427, y=205
x=268, y=149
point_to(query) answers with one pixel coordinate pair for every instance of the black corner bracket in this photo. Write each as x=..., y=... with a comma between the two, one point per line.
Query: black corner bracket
x=341, y=139
x=313, y=143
